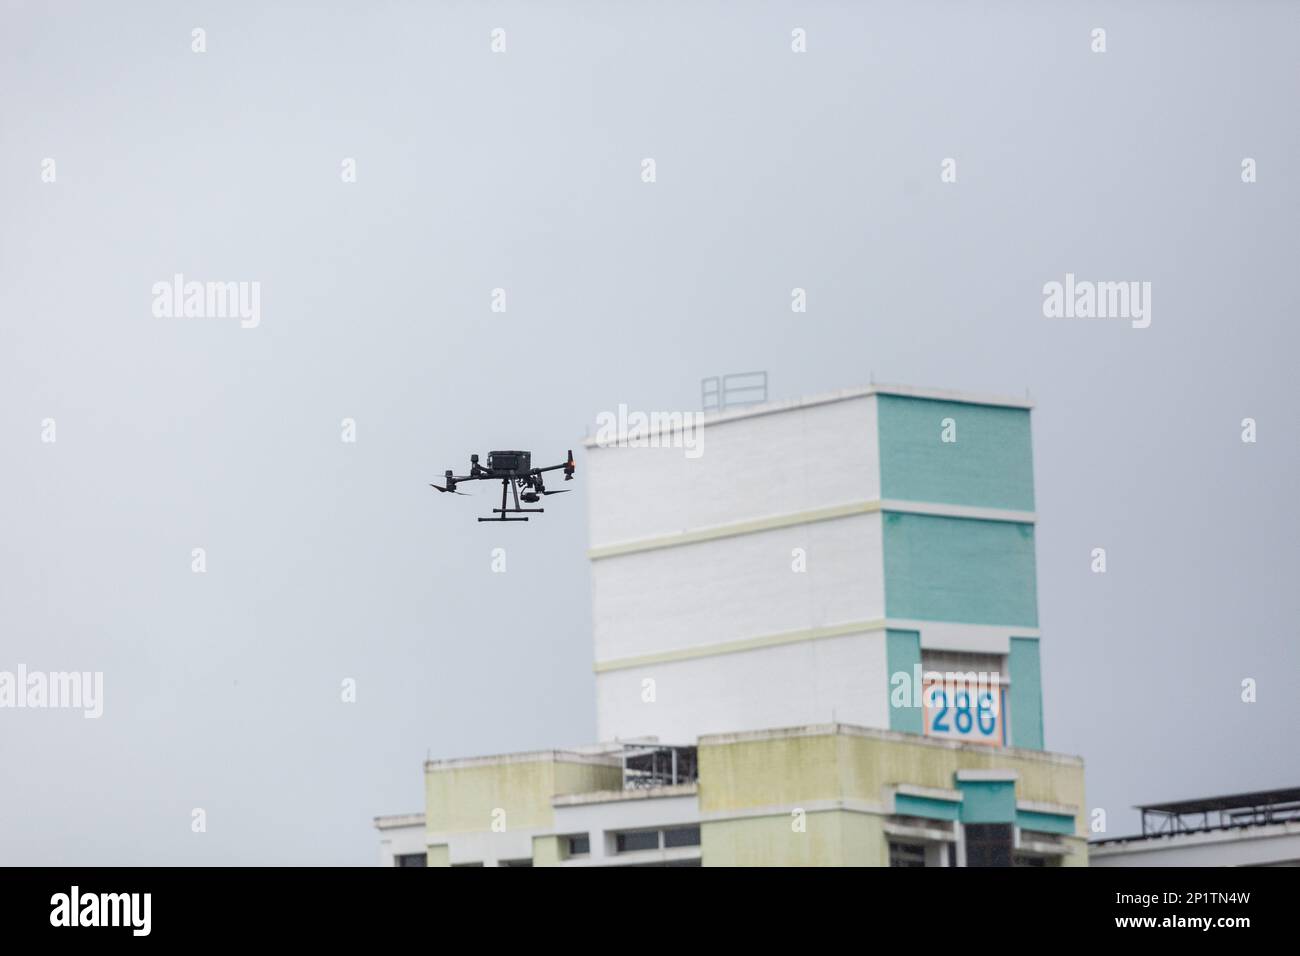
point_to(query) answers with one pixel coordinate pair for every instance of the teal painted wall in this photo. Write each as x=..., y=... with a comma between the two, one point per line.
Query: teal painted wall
x=990, y=464
x=903, y=656
x=988, y=801
x=910, y=806
x=1045, y=822
x=960, y=569
x=1025, y=671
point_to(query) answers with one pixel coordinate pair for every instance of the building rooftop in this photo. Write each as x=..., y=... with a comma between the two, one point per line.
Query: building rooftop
x=600, y=756
x=846, y=394
x=395, y=820
x=1257, y=799
x=1228, y=812
x=853, y=730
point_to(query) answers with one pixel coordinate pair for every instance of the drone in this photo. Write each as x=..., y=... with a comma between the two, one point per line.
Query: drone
x=516, y=473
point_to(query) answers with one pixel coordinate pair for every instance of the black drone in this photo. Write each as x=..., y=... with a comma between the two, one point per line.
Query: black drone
x=514, y=469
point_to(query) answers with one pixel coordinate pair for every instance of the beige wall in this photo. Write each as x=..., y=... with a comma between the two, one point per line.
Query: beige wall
x=463, y=797
x=787, y=771
x=438, y=856
x=829, y=838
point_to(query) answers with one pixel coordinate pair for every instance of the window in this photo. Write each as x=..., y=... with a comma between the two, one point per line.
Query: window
x=682, y=836
x=1023, y=860
x=468, y=864
x=578, y=845
x=906, y=854
x=637, y=840
x=516, y=863
x=668, y=838
x=988, y=844
x=411, y=859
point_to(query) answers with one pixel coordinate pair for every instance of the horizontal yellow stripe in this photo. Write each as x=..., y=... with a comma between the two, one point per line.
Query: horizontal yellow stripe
x=739, y=528
x=809, y=517
x=733, y=647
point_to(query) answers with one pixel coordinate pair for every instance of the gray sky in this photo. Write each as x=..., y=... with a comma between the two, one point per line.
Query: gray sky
x=820, y=170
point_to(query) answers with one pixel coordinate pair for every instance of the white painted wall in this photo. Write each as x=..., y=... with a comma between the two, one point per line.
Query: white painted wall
x=600, y=820
x=397, y=841
x=738, y=588
x=833, y=679
x=487, y=847
x=742, y=587
x=795, y=460
x=1275, y=845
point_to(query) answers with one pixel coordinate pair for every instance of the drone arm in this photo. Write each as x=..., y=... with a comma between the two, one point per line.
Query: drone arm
x=568, y=467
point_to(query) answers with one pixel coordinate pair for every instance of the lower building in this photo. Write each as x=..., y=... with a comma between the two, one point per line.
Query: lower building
x=1243, y=829
x=401, y=840
x=824, y=795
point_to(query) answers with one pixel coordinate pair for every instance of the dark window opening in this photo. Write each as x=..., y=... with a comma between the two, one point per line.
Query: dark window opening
x=906, y=854
x=988, y=844
x=682, y=836
x=637, y=840
x=579, y=845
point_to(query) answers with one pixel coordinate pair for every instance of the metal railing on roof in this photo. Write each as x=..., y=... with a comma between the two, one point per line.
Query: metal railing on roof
x=736, y=390
x=653, y=765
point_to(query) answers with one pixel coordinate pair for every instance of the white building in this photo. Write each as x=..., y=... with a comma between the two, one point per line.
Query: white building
x=401, y=839
x=1244, y=829
x=781, y=571
x=771, y=599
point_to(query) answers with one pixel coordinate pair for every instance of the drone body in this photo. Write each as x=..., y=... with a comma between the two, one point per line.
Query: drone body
x=517, y=476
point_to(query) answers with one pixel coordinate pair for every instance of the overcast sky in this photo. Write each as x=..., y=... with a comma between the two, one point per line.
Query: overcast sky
x=328, y=561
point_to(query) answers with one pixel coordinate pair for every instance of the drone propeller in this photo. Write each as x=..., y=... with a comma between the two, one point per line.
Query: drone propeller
x=558, y=491
x=452, y=490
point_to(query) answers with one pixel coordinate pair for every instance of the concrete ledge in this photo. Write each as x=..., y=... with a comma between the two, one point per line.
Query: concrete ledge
x=848, y=394
x=531, y=756
x=792, y=519
x=394, y=821
x=916, y=740
x=988, y=776
x=1039, y=806
x=929, y=793
x=786, y=809
x=619, y=796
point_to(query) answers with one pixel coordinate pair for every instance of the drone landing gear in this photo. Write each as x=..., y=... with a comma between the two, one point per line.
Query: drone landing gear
x=507, y=485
